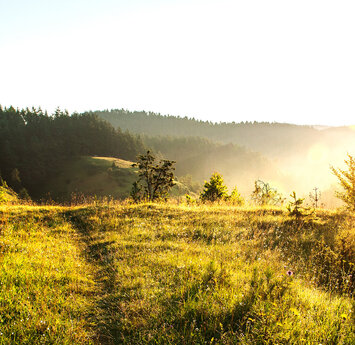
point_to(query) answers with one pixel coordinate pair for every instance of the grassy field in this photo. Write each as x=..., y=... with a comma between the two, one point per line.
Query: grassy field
x=175, y=274
x=90, y=176
x=87, y=177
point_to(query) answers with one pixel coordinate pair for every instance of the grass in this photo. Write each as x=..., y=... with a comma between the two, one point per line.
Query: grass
x=90, y=176
x=175, y=274
x=45, y=285
x=83, y=178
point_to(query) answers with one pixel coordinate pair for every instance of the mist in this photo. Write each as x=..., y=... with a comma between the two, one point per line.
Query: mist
x=288, y=157
x=302, y=171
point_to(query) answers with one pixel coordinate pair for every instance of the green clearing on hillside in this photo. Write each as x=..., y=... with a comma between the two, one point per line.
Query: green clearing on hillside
x=89, y=177
x=168, y=274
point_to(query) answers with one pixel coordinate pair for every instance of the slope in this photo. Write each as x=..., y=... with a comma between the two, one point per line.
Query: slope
x=297, y=157
x=164, y=274
x=88, y=177
x=278, y=140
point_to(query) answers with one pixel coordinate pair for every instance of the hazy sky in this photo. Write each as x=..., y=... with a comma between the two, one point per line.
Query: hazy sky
x=284, y=61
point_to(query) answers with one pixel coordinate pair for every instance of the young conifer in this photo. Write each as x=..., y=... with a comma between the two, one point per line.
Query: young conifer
x=347, y=181
x=215, y=189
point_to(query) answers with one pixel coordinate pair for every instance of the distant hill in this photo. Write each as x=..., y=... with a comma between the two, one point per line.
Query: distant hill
x=273, y=139
x=200, y=157
x=292, y=157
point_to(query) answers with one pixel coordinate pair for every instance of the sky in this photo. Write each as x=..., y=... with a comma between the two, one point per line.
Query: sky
x=251, y=60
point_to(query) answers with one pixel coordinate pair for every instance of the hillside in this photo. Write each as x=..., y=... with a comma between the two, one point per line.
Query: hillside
x=290, y=157
x=165, y=274
x=89, y=177
x=200, y=158
x=38, y=152
x=278, y=140
x=7, y=196
x=34, y=144
x=86, y=178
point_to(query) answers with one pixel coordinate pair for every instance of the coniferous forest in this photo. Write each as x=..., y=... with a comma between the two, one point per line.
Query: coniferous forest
x=33, y=144
x=273, y=139
x=36, y=146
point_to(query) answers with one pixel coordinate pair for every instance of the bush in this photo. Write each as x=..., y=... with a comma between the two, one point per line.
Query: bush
x=296, y=208
x=235, y=198
x=263, y=194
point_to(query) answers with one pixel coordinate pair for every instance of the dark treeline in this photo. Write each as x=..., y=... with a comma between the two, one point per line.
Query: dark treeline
x=273, y=139
x=33, y=143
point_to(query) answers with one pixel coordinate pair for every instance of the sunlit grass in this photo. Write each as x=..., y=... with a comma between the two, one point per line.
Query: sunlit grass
x=45, y=283
x=176, y=274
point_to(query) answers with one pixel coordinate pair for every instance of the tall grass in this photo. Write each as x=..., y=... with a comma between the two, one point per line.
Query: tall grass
x=176, y=274
x=45, y=285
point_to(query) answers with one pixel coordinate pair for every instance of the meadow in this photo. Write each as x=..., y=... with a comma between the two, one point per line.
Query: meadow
x=89, y=176
x=120, y=273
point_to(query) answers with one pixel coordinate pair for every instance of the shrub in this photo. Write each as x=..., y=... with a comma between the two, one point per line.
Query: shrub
x=235, y=198
x=263, y=194
x=189, y=199
x=296, y=208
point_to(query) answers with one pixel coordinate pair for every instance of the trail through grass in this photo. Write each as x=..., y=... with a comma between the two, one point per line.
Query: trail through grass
x=165, y=274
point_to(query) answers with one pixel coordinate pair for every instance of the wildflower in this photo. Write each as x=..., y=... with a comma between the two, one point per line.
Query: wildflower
x=289, y=273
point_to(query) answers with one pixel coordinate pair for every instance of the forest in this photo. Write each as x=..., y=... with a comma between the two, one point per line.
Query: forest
x=273, y=139
x=34, y=144
x=286, y=155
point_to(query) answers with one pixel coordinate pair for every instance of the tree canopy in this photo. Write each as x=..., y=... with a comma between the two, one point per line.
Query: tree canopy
x=155, y=178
